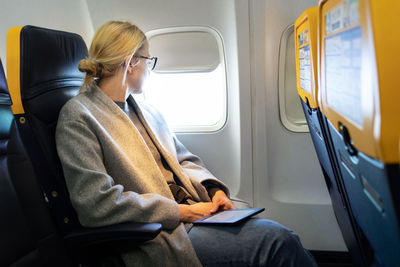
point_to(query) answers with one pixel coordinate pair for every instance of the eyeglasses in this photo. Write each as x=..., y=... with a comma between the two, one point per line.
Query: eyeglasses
x=151, y=61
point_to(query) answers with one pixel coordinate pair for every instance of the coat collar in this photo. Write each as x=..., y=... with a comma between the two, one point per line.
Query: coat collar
x=149, y=125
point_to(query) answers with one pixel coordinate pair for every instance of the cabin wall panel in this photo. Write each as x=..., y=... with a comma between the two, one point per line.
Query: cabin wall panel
x=71, y=15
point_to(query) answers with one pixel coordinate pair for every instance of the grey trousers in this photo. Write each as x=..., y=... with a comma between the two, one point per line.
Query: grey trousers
x=255, y=242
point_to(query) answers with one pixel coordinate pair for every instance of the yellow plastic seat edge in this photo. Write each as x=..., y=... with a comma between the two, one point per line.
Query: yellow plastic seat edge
x=384, y=16
x=308, y=21
x=13, y=68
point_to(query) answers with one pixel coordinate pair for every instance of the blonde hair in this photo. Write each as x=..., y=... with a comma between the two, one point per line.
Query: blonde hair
x=112, y=43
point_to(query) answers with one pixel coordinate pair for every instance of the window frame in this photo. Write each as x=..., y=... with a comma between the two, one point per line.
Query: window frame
x=224, y=93
x=299, y=126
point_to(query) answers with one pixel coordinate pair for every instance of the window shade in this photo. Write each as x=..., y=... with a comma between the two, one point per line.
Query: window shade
x=185, y=51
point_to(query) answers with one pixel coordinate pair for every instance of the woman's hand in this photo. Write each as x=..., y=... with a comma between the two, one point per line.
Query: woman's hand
x=190, y=213
x=221, y=202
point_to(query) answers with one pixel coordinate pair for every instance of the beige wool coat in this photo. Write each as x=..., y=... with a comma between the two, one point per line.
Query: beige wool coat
x=112, y=177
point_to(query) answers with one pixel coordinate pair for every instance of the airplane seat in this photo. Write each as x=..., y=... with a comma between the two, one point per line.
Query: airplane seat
x=359, y=97
x=42, y=75
x=306, y=32
x=45, y=65
x=28, y=234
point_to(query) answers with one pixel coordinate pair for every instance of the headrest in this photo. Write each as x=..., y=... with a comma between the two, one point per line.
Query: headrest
x=4, y=95
x=50, y=58
x=42, y=60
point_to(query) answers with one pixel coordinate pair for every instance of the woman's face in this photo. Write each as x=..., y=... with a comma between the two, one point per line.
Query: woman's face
x=139, y=71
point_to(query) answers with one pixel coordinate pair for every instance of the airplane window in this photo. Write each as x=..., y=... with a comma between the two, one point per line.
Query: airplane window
x=189, y=84
x=291, y=112
x=189, y=101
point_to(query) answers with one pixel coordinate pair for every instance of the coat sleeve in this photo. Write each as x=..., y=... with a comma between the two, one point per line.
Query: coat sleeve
x=97, y=200
x=194, y=168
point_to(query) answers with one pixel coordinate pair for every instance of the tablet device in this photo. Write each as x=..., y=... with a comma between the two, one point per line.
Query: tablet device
x=229, y=216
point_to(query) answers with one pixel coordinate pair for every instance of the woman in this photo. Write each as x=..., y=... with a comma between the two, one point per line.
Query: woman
x=122, y=163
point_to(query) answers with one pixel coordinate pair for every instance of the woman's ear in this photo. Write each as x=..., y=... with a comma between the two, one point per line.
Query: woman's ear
x=132, y=65
x=130, y=68
x=127, y=62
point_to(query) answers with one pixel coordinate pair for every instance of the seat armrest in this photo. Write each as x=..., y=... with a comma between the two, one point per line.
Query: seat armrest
x=136, y=232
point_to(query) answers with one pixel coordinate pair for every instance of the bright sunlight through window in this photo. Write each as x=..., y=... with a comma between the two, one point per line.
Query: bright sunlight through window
x=190, y=101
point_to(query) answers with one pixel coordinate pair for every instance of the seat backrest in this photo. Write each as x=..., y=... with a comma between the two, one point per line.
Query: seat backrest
x=43, y=75
x=359, y=97
x=306, y=42
x=28, y=235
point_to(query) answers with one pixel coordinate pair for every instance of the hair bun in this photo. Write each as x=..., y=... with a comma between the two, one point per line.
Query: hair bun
x=90, y=66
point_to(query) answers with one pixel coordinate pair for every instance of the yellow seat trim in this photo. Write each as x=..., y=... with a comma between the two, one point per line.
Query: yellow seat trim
x=307, y=22
x=385, y=21
x=378, y=136
x=13, y=68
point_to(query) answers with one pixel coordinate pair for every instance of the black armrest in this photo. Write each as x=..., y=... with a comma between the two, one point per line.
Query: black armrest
x=137, y=232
